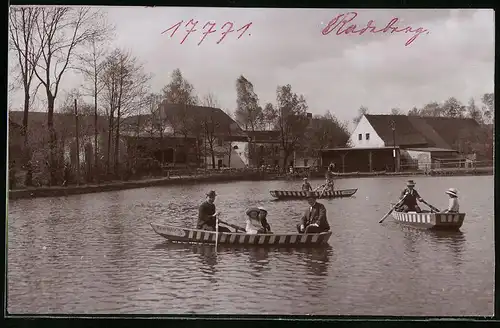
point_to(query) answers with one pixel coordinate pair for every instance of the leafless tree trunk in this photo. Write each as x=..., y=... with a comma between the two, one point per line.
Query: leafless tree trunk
x=92, y=66
x=21, y=31
x=60, y=31
x=126, y=87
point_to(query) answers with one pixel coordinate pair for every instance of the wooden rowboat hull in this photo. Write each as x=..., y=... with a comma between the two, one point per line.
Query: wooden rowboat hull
x=184, y=235
x=295, y=194
x=432, y=221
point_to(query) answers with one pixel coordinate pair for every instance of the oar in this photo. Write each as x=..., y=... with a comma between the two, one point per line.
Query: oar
x=317, y=188
x=392, y=209
x=233, y=226
x=431, y=207
x=216, y=231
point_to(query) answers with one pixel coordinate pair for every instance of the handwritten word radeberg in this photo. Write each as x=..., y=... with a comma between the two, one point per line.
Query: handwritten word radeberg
x=338, y=24
x=193, y=23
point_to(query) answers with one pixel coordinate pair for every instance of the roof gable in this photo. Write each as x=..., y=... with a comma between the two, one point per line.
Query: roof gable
x=440, y=132
x=64, y=124
x=406, y=133
x=224, y=124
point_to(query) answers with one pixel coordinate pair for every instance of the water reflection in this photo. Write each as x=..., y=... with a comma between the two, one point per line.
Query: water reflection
x=454, y=241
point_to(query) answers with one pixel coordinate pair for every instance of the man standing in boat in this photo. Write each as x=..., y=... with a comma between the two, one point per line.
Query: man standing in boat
x=329, y=185
x=306, y=186
x=314, y=219
x=207, y=215
x=411, y=196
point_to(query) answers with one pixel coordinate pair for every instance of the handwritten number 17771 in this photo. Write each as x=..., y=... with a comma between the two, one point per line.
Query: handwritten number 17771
x=207, y=29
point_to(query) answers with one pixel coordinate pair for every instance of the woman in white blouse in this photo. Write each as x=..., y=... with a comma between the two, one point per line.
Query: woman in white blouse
x=453, y=206
x=254, y=224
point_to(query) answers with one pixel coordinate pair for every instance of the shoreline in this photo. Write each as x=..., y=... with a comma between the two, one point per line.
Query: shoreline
x=58, y=191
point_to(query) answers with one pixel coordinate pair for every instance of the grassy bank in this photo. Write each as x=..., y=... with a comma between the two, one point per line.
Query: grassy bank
x=34, y=192
x=131, y=184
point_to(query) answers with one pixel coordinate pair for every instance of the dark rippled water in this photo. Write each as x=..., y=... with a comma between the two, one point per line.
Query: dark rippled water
x=96, y=253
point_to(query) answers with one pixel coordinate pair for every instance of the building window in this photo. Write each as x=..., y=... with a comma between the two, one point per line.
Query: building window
x=219, y=142
x=367, y=136
x=360, y=136
x=305, y=162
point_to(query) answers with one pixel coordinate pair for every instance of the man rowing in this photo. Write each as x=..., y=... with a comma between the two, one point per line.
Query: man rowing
x=411, y=196
x=207, y=217
x=314, y=219
x=329, y=185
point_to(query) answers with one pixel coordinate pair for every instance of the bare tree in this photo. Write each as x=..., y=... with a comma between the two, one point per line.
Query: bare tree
x=91, y=65
x=361, y=111
x=474, y=112
x=21, y=33
x=396, y=111
x=248, y=112
x=229, y=132
x=211, y=126
x=325, y=131
x=60, y=31
x=291, y=120
x=126, y=88
x=269, y=115
x=183, y=121
x=488, y=99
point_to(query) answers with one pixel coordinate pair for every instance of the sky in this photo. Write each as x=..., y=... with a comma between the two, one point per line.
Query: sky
x=454, y=56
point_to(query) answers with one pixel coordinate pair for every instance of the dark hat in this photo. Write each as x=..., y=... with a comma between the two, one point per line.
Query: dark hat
x=211, y=193
x=410, y=183
x=252, y=209
x=310, y=194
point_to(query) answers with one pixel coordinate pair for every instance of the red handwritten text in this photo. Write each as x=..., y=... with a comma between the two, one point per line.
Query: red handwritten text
x=208, y=28
x=339, y=23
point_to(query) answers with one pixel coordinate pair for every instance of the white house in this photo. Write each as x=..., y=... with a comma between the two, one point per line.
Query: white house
x=365, y=136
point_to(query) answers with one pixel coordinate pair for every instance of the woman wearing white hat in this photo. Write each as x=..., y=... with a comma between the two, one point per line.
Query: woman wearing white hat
x=453, y=206
x=254, y=221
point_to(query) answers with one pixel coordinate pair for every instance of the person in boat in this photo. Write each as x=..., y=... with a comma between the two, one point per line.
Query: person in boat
x=207, y=215
x=453, y=206
x=411, y=195
x=306, y=186
x=329, y=184
x=314, y=219
x=254, y=223
x=263, y=219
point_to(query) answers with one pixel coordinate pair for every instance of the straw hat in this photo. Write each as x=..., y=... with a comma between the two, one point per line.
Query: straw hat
x=305, y=179
x=253, y=209
x=410, y=183
x=452, y=192
x=262, y=209
x=211, y=193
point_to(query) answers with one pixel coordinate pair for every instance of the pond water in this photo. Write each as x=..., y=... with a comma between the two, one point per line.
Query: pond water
x=96, y=253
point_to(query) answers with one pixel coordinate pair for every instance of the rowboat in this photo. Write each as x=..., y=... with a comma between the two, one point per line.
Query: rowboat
x=296, y=194
x=427, y=220
x=185, y=235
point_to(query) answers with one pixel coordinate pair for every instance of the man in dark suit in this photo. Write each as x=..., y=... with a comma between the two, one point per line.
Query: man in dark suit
x=411, y=196
x=207, y=215
x=314, y=219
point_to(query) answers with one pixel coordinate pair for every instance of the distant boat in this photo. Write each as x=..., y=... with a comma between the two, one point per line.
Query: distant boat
x=184, y=235
x=299, y=194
